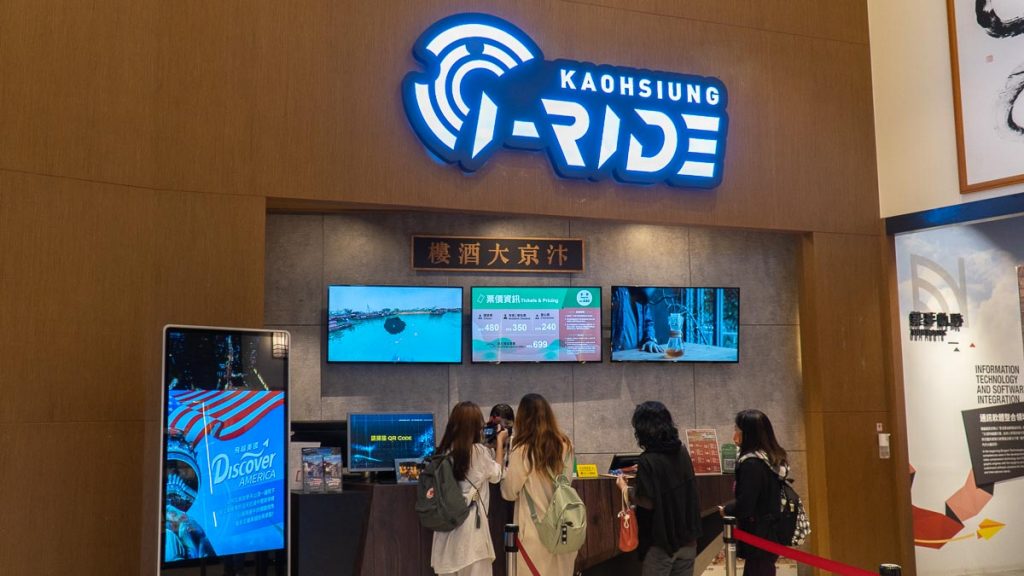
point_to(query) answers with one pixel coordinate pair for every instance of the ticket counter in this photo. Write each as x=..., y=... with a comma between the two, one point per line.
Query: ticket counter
x=391, y=541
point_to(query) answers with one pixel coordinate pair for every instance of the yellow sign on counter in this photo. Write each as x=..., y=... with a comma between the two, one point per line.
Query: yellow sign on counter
x=586, y=470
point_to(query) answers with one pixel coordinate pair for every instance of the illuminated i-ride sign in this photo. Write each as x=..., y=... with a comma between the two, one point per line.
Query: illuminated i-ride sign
x=486, y=85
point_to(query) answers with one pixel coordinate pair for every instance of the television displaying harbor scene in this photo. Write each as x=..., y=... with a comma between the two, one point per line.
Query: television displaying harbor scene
x=375, y=441
x=224, y=465
x=536, y=324
x=395, y=324
x=665, y=324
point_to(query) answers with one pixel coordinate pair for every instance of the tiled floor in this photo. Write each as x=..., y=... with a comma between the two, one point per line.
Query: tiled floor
x=791, y=569
x=782, y=568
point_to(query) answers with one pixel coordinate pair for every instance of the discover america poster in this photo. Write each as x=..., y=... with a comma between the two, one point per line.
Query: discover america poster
x=224, y=452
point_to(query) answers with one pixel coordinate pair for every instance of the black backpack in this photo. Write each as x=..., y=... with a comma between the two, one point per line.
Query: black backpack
x=791, y=525
x=439, y=500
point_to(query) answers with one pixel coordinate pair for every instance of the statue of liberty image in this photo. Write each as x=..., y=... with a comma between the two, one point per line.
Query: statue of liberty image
x=184, y=538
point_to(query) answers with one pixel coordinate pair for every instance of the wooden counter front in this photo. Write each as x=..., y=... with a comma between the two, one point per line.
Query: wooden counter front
x=396, y=545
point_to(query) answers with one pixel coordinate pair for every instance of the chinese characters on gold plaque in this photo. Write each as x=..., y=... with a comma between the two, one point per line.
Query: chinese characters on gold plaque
x=464, y=253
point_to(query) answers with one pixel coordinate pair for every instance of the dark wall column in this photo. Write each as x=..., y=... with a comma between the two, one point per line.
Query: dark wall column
x=852, y=499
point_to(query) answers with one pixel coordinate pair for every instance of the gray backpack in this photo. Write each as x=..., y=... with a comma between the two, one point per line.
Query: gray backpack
x=564, y=526
x=439, y=501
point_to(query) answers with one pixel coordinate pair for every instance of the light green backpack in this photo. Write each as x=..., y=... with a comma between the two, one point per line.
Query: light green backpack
x=564, y=526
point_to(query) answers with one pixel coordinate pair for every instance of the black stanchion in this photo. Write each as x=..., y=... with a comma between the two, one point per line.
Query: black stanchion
x=511, y=548
x=890, y=570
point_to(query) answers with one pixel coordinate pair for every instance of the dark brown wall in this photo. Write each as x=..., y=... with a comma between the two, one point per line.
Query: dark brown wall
x=302, y=101
x=897, y=405
x=89, y=274
x=138, y=140
x=853, y=492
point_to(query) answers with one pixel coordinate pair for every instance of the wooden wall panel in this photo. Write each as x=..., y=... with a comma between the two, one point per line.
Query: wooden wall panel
x=259, y=98
x=842, y=293
x=845, y=20
x=864, y=521
x=93, y=272
x=824, y=149
x=90, y=274
x=777, y=82
x=71, y=498
x=818, y=497
x=853, y=499
x=79, y=80
x=897, y=404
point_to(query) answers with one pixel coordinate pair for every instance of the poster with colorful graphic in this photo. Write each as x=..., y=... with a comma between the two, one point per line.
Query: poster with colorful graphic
x=515, y=324
x=960, y=319
x=704, y=451
x=225, y=444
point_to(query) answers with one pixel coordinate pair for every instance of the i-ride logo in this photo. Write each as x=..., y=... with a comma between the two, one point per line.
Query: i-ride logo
x=485, y=85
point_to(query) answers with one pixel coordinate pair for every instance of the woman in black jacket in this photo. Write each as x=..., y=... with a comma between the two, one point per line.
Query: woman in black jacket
x=668, y=510
x=760, y=465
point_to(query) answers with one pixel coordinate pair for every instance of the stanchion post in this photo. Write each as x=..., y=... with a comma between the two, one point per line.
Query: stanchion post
x=511, y=549
x=890, y=570
x=728, y=524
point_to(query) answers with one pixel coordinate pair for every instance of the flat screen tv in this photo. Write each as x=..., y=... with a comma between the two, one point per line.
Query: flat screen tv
x=224, y=448
x=394, y=324
x=536, y=324
x=671, y=324
x=375, y=441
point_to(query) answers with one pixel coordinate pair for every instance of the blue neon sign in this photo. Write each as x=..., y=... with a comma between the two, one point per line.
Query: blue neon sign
x=485, y=85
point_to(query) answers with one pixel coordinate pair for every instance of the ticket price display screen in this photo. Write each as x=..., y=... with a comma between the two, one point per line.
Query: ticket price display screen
x=516, y=324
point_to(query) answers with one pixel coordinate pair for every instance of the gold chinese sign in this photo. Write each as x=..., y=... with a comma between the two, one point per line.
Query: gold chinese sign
x=475, y=254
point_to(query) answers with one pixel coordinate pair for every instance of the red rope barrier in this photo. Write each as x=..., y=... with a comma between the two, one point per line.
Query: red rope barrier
x=816, y=561
x=526, y=557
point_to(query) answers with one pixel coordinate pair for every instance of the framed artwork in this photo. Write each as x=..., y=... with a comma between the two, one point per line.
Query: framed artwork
x=987, y=51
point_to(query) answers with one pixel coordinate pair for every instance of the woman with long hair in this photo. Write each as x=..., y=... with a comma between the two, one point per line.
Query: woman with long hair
x=665, y=495
x=760, y=465
x=467, y=550
x=540, y=452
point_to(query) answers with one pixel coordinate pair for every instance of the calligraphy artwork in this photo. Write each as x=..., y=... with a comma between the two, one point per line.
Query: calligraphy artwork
x=987, y=53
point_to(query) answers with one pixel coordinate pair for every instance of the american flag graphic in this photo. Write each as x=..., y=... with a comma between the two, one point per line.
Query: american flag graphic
x=222, y=414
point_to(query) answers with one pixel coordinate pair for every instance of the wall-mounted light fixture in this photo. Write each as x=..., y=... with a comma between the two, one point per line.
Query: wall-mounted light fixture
x=280, y=345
